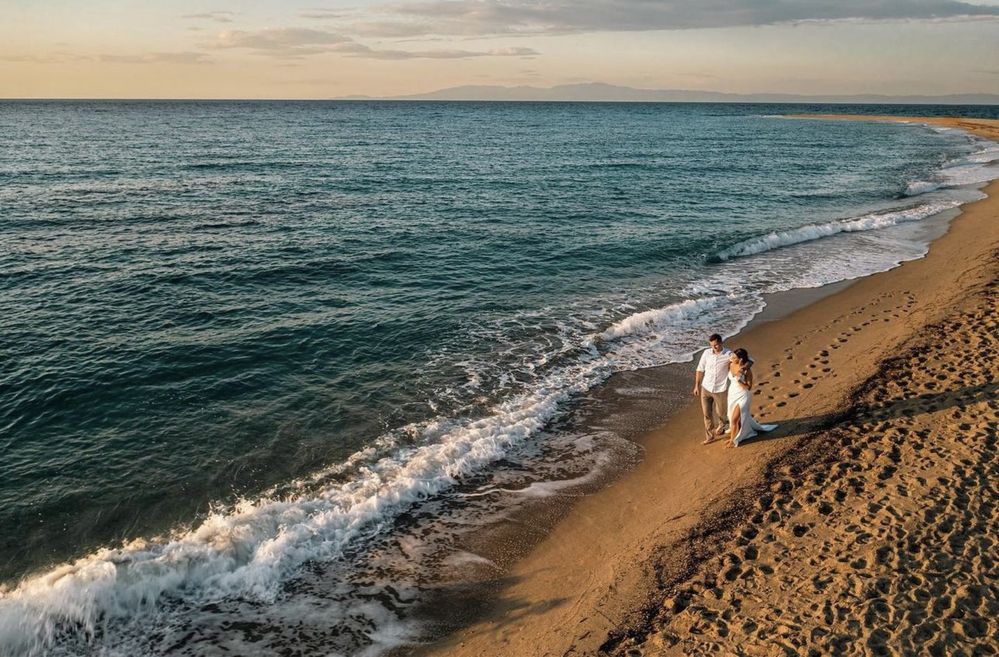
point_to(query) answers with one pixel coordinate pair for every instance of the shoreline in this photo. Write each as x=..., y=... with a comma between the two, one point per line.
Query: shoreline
x=601, y=575
x=630, y=404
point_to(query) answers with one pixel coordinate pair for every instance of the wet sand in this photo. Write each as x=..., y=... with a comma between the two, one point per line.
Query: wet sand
x=805, y=537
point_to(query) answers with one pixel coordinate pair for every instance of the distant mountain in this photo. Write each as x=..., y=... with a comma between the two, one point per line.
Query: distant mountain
x=597, y=91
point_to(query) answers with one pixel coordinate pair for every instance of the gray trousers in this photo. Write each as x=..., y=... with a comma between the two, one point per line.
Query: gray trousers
x=714, y=406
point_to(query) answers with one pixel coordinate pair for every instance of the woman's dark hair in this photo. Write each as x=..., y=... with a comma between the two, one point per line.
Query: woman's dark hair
x=742, y=355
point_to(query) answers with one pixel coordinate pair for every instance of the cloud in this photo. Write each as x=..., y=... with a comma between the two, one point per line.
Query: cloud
x=390, y=29
x=322, y=14
x=146, y=58
x=355, y=49
x=157, y=58
x=300, y=42
x=514, y=52
x=485, y=17
x=281, y=42
x=54, y=58
x=217, y=16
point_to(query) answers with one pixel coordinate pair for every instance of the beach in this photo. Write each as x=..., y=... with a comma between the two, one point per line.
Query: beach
x=436, y=396
x=865, y=524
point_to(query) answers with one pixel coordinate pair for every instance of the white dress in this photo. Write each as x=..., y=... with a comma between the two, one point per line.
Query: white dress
x=739, y=396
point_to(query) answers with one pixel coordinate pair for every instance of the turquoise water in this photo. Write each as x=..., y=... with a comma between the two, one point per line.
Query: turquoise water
x=261, y=339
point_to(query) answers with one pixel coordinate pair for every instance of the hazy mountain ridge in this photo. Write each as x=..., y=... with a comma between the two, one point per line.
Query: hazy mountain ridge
x=597, y=91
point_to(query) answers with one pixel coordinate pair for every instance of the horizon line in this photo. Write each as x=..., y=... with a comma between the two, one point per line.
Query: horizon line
x=412, y=98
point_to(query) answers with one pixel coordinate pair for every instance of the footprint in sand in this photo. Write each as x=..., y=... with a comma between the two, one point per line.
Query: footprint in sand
x=883, y=545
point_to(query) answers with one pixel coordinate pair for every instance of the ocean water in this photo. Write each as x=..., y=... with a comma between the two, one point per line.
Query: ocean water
x=265, y=364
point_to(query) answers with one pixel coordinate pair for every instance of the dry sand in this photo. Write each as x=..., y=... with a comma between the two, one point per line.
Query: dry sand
x=866, y=524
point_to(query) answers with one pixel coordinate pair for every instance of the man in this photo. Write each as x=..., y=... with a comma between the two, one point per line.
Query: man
x=710, y=384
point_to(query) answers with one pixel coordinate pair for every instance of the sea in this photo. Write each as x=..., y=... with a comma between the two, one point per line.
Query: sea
x=269, y=369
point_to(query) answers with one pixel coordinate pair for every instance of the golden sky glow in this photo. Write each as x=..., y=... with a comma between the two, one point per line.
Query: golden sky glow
x=305, y=49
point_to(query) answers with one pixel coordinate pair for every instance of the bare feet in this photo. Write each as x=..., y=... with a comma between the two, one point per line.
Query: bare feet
x=708, y=440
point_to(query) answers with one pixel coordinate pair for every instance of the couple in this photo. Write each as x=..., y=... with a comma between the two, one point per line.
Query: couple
x=718, y=371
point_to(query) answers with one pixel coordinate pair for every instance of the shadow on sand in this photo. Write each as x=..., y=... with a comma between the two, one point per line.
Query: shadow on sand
x=461, y=606
x=908, y=407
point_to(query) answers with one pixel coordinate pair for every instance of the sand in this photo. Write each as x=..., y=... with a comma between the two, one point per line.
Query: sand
x=881, y=539
x=988, y=128
x=866, y=524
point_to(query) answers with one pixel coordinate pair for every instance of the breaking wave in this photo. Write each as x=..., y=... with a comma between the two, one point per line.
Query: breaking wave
x=872, y=221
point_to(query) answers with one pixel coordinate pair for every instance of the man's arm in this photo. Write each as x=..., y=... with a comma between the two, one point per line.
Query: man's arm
x=699, y=376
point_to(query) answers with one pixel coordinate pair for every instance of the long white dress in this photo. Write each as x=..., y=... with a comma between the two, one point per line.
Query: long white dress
x=739, y=396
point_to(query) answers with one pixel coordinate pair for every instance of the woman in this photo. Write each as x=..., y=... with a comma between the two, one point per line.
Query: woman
x=740, y=396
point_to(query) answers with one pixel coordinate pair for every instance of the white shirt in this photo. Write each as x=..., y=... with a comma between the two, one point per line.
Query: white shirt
x=715, y=368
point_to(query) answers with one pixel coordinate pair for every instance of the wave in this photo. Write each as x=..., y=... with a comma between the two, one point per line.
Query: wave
x=251, y=549
x=975, y=168
x=918, y=187
x=243, y=165
x=658, y=318
x=871, y=221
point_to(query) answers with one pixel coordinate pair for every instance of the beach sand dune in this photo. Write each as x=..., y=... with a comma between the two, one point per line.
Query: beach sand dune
x=885, y=544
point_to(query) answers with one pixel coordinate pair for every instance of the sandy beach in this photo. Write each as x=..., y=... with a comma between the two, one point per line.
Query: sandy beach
x=865, y=524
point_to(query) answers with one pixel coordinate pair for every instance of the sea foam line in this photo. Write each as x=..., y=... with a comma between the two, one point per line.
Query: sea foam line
x=251, y=549
x=871, y=221
x=658, y=318
x=974, y=168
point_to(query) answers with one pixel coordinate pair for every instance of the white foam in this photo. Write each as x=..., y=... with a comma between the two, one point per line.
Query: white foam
x=463, y=558
x=248, y=551
x=251, y=549
x=969, y=174
x=538, y=489
x=657, y=319
x=938, y=128
x=635, y=391
x=922, y=187
x=988, y=154
x=978, y=167
x=872, y=221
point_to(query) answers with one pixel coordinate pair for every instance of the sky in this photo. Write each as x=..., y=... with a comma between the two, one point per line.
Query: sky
x=316, y=49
